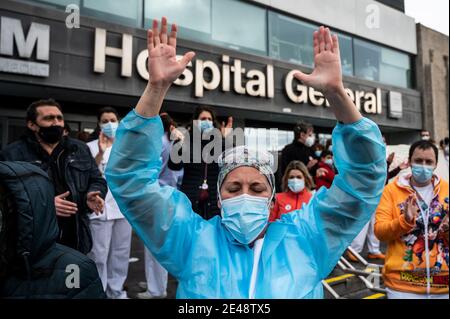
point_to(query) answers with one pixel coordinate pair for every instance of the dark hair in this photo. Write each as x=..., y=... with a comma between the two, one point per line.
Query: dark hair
x=106, y=109
x=309, y=183
x=318, y=146
x=205, y=108
x=423, y=145
x=32, y=108
x=326, y=153
x=167, y=121
x=302, y=127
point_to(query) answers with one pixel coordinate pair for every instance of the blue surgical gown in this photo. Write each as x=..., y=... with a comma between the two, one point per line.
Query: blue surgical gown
x=299, y=250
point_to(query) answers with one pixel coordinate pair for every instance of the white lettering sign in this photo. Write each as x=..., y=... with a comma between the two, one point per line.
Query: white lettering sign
x=207, y=75
x=38, y=37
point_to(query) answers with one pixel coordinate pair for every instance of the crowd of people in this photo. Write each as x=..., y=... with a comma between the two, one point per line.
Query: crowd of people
x=210, y=222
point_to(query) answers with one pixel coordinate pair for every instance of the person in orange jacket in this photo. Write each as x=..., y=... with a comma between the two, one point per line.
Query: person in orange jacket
x=296, y=185
x=325, y=176
x=412, y=218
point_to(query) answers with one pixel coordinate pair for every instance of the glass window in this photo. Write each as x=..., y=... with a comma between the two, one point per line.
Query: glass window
x=64, y=3
x=346, y=48
x=196, y=25
x=124, y=12
x=385, y=65
x=239, y=26
x=367, y=60
x=291, y=40
x=218, y=22
x=395, y=68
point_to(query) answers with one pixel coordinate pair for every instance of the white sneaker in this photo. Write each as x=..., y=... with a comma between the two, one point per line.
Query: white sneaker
x=147, y=295
x=121, y=295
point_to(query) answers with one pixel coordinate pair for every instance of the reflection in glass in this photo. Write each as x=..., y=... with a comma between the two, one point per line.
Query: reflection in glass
x=291, y=39
x=239, y=25
x=124, y=12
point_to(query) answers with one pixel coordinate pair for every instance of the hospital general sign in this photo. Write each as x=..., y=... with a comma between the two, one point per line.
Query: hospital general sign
x=230, y=76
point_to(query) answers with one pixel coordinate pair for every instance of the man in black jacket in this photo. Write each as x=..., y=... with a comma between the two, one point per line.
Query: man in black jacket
x=300, y=149
x=68, y=162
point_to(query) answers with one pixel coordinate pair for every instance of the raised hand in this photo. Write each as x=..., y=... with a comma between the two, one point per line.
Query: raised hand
x=412, y=210
x=226, y=129
x=404, y=165
x=327, y=74
x=163, y=67
x=103, y=142
x=162, y=63
x=390, y=158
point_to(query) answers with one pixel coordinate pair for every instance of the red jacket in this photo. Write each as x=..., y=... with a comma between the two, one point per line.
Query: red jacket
x=327, y=179
x=287, y=202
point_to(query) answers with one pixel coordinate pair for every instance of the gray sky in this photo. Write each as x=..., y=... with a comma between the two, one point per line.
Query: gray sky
x=430, y=13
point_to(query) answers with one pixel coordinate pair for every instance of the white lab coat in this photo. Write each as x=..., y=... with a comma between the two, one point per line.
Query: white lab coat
x=111, y=210
x=111, y=235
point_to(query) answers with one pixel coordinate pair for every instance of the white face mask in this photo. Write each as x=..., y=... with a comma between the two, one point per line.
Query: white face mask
x=205, y=125
x=329, y=162
x=310, y=140
x=296, y=185
x=245, y=216
x=109, y=129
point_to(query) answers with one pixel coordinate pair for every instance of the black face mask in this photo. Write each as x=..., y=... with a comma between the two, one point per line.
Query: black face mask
x=51, y=134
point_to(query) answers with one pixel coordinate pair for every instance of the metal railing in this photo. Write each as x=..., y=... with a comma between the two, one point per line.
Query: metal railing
x=370, y=276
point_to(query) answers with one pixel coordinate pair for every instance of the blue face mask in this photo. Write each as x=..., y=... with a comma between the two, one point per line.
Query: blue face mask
x=296, y=185
x=245, y=216
x=329, y=162
x=318, y=153
x=109, y=129
x=205, y=125
x=422, y=173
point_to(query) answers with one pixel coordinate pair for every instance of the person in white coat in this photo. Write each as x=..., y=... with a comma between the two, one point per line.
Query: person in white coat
x=172, y=175
x=111, y=232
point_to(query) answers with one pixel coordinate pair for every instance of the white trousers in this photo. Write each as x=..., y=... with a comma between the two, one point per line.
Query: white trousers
x=155, y=275
x=111, y=254
x=373, y=244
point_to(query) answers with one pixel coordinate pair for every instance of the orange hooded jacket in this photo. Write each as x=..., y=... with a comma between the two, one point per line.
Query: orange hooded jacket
x=405, y=264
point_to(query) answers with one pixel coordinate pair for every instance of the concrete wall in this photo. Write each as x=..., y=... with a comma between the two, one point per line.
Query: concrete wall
x=433, y=79
x=395, y=28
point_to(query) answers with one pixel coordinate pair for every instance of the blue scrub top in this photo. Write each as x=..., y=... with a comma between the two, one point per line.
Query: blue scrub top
x=299, y=250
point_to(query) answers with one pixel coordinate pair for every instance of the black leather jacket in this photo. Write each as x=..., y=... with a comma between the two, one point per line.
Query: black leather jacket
x=81, y=175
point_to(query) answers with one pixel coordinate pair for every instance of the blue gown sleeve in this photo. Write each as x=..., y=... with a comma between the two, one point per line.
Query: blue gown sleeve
x=335, y=216
x=161, y=215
